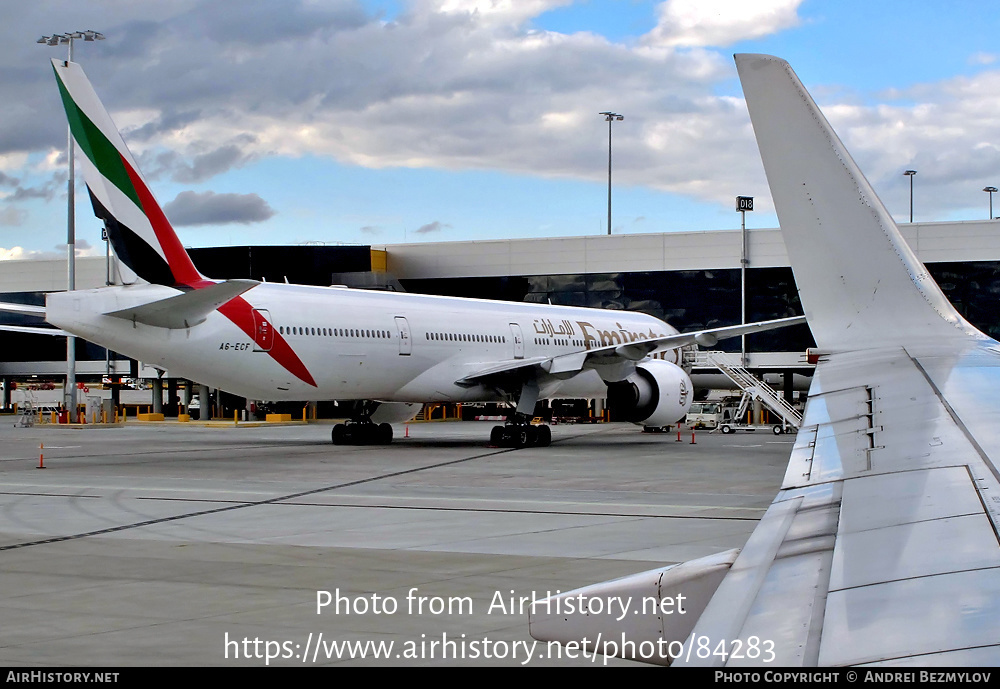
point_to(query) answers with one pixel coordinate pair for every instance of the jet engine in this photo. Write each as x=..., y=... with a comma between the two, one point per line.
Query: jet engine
x=657, y=393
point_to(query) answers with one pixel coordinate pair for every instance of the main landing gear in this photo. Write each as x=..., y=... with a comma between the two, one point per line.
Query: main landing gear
x=361, y=433
x=518, y=431
x=360, y=429
x=522, y=434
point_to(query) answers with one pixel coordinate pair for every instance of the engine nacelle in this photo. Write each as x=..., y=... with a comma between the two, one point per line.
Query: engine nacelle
x=657, y=393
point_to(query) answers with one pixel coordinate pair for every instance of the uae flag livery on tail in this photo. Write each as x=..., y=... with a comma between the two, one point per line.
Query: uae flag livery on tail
x=140, y=233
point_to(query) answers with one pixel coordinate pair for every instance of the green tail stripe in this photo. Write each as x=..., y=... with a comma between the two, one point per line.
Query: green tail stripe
x=101, y=152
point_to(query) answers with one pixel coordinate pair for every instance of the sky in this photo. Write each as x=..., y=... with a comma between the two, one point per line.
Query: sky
x=389, y=121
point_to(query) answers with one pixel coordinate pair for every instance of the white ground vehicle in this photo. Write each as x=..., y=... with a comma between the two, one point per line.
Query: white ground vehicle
x=704, y=415
x=735, y=415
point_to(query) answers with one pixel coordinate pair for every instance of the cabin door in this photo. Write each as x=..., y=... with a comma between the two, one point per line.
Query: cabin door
x=263, y=331
x=405, y=343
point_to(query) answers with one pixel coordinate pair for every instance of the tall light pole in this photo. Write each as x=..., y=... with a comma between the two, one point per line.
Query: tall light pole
x=610, y=117
x=743, y=204
x=990, y=190
x=910, y=173
x=69, y=393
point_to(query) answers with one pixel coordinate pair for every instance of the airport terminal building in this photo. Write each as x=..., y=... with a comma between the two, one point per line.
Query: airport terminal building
x=690, y=279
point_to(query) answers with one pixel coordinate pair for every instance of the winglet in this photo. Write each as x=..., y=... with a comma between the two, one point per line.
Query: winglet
x=861, y=286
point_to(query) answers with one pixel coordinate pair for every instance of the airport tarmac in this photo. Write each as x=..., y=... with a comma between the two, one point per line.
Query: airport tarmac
x=180, y=545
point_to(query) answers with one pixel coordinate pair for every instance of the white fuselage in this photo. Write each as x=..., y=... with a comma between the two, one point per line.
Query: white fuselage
x=356, y=344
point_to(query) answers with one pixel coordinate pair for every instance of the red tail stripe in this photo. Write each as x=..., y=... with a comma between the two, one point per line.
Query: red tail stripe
x=177, y=258
x=240, y=312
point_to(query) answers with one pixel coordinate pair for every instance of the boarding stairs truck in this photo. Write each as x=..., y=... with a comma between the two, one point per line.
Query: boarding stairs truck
x=753, y=389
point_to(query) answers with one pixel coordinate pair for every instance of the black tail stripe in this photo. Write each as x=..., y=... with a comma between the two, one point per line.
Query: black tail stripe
x=131, y=249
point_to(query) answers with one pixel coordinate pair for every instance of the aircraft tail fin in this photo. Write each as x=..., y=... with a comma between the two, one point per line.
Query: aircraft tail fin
x=861, y=286
x=142, y=237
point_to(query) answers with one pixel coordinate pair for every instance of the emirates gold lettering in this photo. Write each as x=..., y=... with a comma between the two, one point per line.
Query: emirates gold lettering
x=594, y=336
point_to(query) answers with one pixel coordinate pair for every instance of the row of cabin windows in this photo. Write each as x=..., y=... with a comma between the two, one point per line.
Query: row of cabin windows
x=334, y=332
x=447, y=337
x=465, y=337
x=558, y=341
x=385, y=334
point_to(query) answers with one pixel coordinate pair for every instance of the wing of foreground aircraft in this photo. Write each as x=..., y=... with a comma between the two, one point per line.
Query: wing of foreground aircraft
x=881, y=547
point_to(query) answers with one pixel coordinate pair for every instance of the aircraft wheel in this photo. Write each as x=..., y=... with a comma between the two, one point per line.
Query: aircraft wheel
x=497, y=436
x=777, y=430
x=521, y=437
x=544, y=436
x=339, y=434
x=533, y=434
x=726, y=429
x=358, y=434
x=384, y=434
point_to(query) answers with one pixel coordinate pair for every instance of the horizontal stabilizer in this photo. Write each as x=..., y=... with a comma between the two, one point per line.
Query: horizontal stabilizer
x=33, y=330
x=27, y=309
x=186, y=309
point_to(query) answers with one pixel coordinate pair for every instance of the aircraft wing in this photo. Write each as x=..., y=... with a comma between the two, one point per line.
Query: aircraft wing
x=881, y=547
x=632, y=351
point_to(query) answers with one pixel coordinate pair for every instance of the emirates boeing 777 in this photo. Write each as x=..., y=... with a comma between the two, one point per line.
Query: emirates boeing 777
x=392, y=351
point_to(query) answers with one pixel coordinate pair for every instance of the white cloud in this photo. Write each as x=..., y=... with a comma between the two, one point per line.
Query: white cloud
x=947, y=131
x=507, y=11
x=468, y=85
x=13, y=161
x=720, y=22
x=983, y=59
x=18, y=253
x=15, y=253
x=440, y=87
